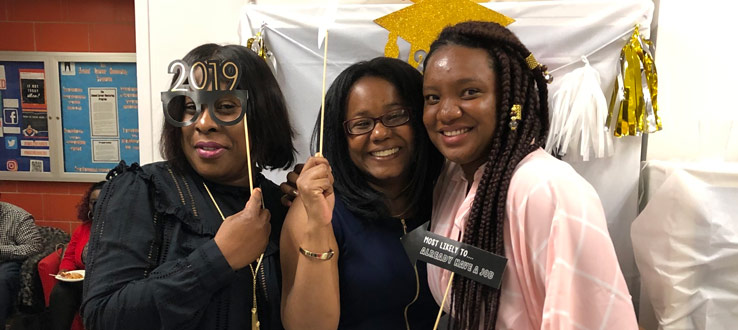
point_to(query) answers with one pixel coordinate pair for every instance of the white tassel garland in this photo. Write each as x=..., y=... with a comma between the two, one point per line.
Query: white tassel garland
x=579, y=111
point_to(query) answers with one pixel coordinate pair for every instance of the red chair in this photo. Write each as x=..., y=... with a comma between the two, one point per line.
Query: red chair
x=50, y=265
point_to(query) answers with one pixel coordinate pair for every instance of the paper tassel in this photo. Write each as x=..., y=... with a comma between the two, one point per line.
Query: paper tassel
x=579, y=111
x=257, y=43
x=633, y=104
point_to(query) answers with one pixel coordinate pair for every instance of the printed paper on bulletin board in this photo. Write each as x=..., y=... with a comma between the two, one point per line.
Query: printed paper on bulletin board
x=24, y=128
x=99, y=115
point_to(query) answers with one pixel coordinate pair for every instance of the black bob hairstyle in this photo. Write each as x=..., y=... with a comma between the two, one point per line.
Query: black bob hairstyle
x=350, y=182
x=269, y=125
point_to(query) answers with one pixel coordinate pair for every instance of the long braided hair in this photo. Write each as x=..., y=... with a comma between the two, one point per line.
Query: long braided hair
x=517, y=84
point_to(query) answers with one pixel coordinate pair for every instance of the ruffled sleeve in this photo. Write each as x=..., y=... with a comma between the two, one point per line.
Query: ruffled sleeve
x=125, y=286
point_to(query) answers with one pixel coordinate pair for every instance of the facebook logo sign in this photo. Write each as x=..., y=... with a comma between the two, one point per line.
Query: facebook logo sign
x=10, y=116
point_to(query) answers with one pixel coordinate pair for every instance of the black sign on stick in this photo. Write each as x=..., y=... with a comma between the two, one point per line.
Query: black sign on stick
x=461, y=258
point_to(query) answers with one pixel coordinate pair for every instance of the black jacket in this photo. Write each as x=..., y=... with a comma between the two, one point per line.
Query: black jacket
x=153, y=263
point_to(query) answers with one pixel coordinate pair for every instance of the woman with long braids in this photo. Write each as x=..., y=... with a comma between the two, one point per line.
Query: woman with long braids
x=486, y=111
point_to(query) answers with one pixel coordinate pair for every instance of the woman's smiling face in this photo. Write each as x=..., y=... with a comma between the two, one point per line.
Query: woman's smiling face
x=460, y=112
x=383, y=154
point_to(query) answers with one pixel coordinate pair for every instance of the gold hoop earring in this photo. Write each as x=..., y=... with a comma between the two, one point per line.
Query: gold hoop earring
x=515, y=116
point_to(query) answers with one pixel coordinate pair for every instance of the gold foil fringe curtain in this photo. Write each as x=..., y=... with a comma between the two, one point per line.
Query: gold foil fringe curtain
x=633, y=104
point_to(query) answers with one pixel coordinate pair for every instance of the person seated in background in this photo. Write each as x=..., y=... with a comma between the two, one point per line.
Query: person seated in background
x=19, y=239
x=66, y=297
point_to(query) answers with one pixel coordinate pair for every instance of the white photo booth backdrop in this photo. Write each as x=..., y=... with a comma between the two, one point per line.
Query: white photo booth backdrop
x=558, y=33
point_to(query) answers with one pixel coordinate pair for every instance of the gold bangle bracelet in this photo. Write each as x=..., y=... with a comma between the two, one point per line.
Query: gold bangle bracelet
x=319, y=256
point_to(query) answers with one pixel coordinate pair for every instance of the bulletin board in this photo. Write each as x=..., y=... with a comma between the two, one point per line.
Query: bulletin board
x=99, y=103
x=24, y=128
x=67, y=116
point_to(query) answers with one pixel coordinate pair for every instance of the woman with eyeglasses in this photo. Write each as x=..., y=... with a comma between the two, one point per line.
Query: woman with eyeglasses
x=66, y=297
x=183, y=243
x=341, y=239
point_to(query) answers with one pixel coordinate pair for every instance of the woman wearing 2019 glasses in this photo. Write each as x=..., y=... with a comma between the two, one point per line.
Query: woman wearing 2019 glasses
x=184, y=244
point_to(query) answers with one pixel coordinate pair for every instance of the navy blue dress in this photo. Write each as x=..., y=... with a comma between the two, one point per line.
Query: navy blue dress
x=377, y=280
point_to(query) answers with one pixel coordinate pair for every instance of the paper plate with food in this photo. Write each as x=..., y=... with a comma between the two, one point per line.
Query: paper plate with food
x=71, y=276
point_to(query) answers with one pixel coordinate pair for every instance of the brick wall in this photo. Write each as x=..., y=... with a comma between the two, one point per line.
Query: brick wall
x=67, y=25
x=51, y=203
x=61, y=26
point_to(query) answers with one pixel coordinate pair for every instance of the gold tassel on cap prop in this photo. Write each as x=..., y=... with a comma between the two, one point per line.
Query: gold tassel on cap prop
x=633, y=105
x=578, y=115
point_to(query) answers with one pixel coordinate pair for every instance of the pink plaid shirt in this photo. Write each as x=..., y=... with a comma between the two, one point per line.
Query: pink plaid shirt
x=562, y=271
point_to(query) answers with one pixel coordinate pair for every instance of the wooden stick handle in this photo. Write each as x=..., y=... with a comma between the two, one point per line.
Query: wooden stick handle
x=322, y=94
x=443, y=302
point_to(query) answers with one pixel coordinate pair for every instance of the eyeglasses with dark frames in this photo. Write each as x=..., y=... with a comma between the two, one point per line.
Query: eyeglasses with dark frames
x=363, y=125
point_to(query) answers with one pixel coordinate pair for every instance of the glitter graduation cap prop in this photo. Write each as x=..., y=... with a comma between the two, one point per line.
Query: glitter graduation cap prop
x=420, y=23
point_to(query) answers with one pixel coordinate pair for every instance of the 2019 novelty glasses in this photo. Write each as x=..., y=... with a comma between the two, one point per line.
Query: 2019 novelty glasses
x=211, y=85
